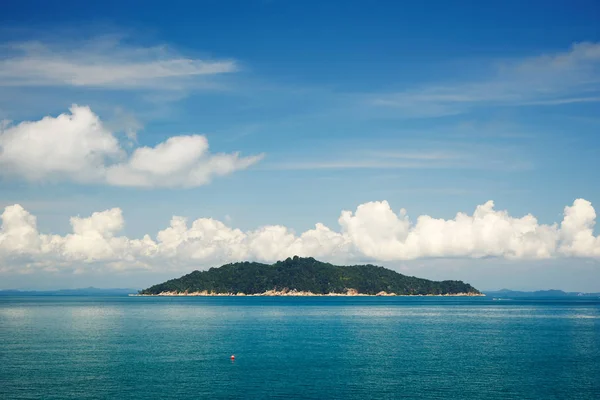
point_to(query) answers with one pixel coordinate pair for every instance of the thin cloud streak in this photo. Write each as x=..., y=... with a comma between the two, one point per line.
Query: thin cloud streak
x=367, y=164
x=416, y=155
x=481, y=158
x=352, y=165
x=568, y=77
x=573, y=100
x=103, y=63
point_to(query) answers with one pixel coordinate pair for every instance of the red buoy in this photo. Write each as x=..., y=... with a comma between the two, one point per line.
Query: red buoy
x=232, y=357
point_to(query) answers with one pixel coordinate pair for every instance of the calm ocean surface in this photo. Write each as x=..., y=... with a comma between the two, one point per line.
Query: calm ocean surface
x=320, y=348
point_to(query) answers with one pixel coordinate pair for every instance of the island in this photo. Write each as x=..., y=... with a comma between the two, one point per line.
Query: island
x=299, y=276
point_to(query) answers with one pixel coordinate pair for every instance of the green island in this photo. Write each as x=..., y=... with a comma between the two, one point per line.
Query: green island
x=305, y=277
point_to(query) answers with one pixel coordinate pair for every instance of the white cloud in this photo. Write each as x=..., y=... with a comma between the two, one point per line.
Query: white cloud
x=74, y=145
x=181, y=161
x=102, y=62
x=78, y=147
x=471, y=156
x=577, y=230
x=374, y=232
x=568, y=77
x=358, y=164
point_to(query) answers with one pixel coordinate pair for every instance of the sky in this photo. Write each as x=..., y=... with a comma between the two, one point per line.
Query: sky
x=445, y=140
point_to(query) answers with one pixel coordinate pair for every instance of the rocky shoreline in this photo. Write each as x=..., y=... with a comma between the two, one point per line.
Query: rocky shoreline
x=296, y=293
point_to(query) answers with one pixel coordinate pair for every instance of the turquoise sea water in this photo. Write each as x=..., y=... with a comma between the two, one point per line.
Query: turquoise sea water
x=320, y=348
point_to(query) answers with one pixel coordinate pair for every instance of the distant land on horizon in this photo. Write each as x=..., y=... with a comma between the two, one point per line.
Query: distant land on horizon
x=93, y=291
x=305, y=276
x=505, y=293
x=298, y=273
x=89, y=291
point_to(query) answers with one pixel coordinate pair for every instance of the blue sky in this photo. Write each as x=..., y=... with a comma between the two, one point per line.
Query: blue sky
x=433, y=107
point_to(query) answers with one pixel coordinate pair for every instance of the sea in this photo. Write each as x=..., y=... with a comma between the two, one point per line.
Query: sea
x=67, y=347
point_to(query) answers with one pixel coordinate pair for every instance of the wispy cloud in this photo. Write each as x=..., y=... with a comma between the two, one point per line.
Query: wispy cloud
x=478, y=157
x=105, y=62
x=568, y=77
x=571, y=100
x=353, y=164
x=424, y=155
x=375, y=159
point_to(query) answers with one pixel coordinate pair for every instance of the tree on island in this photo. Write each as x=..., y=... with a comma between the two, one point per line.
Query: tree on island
x=306, y=275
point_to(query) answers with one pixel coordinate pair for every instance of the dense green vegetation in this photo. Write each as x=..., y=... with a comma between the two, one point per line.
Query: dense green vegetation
x=305, y=274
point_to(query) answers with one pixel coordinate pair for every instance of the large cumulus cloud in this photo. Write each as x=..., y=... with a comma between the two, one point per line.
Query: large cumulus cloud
x=77, y=146
x=373, y=232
